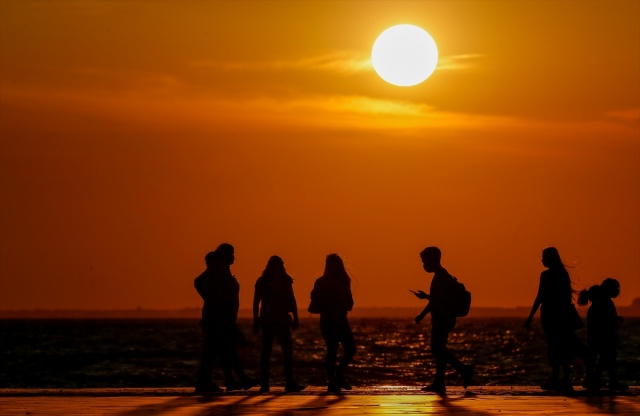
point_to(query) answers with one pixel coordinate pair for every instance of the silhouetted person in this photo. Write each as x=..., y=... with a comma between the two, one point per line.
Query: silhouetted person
x=278, y=314
x=219, y=289
x=602, y=331
x=559, y=320
x=331, y=297
x=442, y=320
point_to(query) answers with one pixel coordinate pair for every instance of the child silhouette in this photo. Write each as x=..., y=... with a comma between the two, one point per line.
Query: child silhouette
x=602, y=331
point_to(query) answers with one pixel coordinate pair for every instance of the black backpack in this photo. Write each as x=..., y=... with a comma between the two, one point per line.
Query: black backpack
x=459, y=299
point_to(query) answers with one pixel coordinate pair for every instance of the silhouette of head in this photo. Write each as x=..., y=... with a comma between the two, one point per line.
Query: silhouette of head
x=430, y=257
x=210, y=259
x=334, y=267
x=611, y=287
x=551, y=258
x=225, y=254
x=275, y=265
x=594, y=294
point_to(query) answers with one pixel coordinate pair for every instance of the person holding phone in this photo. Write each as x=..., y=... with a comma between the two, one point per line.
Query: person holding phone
x=442, y=321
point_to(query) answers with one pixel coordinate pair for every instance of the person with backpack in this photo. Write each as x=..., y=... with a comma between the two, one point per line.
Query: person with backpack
x=445, y=299
x=331, y=297
x=275, y=314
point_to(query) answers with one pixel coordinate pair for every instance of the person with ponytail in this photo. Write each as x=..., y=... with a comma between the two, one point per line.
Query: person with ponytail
x=602, y=331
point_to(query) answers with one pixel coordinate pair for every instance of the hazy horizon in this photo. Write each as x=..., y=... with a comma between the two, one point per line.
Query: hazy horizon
x=634, y=302
x=392, y=312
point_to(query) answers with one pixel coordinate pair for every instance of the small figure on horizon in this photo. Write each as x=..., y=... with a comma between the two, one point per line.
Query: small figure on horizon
x=559, y=320
x=602, y=331
x=275, y=314
x=219, y=290
x=443, y=320
x=331, y=297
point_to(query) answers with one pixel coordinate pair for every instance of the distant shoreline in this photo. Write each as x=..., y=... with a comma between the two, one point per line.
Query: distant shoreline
x=194, y=313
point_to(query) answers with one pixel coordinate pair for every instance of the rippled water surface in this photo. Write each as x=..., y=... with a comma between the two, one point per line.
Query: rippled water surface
x=150, y=353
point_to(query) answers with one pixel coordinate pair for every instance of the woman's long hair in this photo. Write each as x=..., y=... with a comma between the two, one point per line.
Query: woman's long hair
x=334, y=267
x=554, y=262
x=275, y=267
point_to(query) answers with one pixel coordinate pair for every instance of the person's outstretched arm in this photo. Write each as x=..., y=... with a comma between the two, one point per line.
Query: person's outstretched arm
x=294, y=309
x=534, y=308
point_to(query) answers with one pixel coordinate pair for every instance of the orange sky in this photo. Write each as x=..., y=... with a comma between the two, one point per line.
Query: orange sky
x=137, y=136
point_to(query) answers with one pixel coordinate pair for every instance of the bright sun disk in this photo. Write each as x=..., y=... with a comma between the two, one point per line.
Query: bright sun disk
x=404, y=55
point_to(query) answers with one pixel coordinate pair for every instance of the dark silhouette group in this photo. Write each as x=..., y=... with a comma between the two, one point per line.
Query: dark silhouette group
x=275, y=315
x=560, y=320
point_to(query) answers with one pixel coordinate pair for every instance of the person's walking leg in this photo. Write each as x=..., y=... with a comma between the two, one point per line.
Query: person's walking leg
x=466, y=371
x=349, y=344
x=439, y=350
x=265, y=356
x=232, y=360
x=203, y=382
x=332, y=342
x=286, y=343
x=438, y=343
x=284, y=337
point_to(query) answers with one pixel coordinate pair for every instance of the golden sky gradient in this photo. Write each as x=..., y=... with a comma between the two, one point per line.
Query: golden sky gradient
x=135, y=136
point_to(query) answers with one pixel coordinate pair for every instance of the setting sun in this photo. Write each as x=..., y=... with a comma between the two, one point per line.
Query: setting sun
x=137, y=136
x=404, y=55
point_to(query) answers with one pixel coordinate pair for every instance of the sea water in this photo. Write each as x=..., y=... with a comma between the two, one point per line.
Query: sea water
x=166, y=352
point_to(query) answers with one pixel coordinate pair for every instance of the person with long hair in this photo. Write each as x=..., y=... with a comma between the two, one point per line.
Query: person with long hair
x=602, y=332
x=559, y=319
x=275, y=313
x=331, y=297
x=219, y=290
